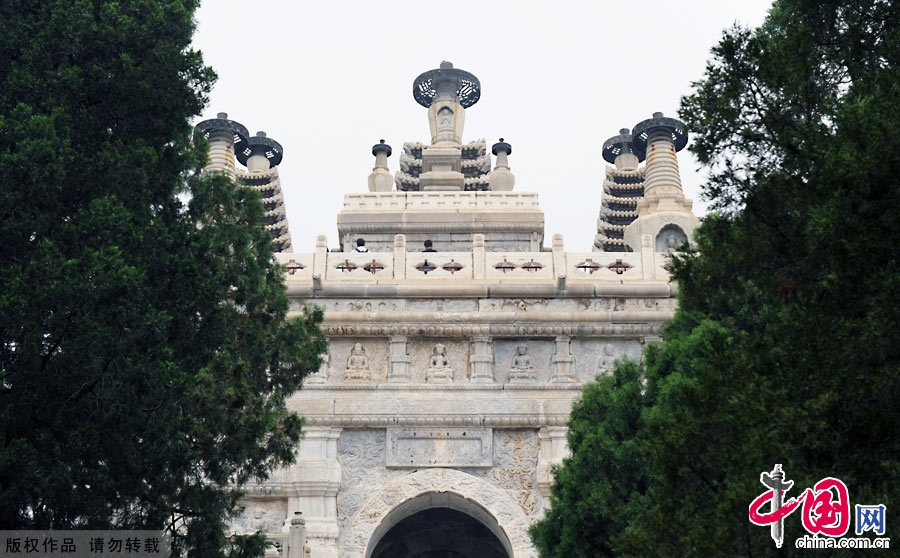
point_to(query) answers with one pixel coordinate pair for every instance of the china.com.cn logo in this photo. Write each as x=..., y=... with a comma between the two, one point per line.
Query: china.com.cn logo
x=826, y=511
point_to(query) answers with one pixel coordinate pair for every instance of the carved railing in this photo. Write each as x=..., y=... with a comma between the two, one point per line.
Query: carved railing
x=408, y=201
x=556, y=266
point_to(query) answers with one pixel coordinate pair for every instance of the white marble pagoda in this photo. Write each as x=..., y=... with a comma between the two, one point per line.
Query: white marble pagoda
x=442, y=403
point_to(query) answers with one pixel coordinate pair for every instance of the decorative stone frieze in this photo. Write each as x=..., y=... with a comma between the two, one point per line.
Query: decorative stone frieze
x=526, y=330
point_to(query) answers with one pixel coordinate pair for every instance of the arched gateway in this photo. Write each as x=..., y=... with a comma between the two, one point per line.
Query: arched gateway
x=401, y=507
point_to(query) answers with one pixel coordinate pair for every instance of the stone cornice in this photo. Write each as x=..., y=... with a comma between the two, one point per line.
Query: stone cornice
x=472, y=289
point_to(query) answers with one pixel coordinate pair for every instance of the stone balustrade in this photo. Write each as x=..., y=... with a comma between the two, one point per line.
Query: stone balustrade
x=452, y=201
x=556, y=267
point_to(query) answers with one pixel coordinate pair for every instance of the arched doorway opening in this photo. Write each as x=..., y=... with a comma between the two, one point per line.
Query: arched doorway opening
x=439, y=525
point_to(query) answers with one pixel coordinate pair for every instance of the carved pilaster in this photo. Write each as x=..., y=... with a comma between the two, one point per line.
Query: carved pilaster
x=400, y=256
x=312, y=485
x=321, y=257
x=399, y=372
x=478, y=256
x=563, y=363
x=481, y=360
x=554, y=448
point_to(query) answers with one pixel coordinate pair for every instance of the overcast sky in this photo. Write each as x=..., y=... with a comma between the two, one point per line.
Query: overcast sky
x=327, y=80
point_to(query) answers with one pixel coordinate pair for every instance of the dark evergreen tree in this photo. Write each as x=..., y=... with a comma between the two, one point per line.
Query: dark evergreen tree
x=786, y=346
x=145, y=352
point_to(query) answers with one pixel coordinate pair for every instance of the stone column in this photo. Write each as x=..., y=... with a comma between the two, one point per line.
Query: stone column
x=297, y=536
x=481, y=360
x=312, y=485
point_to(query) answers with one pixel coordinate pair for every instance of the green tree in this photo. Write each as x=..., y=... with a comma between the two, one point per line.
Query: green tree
x=595, y=484
x=145, y=350
x=785, y=347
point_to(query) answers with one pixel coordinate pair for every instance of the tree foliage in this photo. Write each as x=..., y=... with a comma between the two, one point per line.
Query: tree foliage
x=145, y=353
x=785, y=347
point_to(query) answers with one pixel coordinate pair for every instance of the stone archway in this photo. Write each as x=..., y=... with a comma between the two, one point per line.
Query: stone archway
x=442, y=488
x=439, y=526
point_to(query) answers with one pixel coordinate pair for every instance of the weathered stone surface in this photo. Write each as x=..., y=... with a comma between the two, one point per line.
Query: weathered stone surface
x=439, y=447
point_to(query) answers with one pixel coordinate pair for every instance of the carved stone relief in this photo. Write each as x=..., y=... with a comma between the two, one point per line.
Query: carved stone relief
x=361, y=448
x=513, y=369
x=439, y=369
x=607, y=359
x=358, y=364
x=516, y=454
x=366, y=305
x=357, y=361
x=261, y=515
x=521, y=370
x=361, y=454
x=442, y=305
x=439, y=362
x=595, y=356
x=670, y=239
